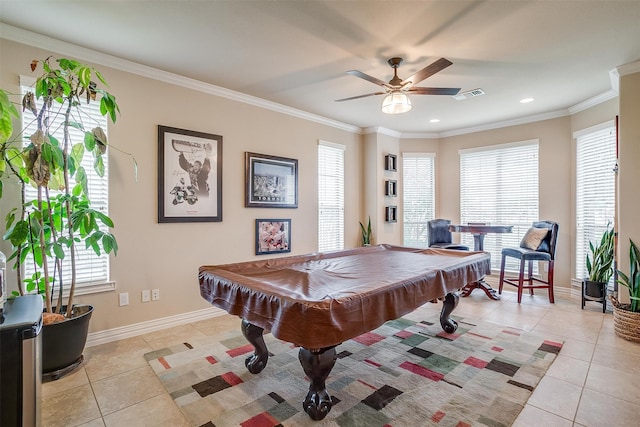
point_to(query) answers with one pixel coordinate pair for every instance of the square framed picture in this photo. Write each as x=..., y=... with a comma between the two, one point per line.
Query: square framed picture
x=391, y=162
x=189, y=176
x=391, y=188
x=270, y=181
x=273, y=236
x=391, y=214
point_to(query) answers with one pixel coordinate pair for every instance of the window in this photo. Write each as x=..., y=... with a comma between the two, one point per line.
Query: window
x=595, y=188
x=92, y=270
x=418, y=197
x=330, y=196
x=499, y=185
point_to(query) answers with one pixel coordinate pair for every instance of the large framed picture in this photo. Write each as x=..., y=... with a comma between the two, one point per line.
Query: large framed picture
x=273, y=236
x=270, y=181
x=189, y=176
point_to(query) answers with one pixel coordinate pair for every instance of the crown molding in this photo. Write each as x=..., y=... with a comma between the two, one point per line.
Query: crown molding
x=584, y=105
x=420, y=135
x=19, y=35
x=381, y=130
x=630, y=68
x=507, y=123
x=592, y=102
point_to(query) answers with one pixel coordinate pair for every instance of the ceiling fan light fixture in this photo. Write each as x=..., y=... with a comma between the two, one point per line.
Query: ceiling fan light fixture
x=396, y=102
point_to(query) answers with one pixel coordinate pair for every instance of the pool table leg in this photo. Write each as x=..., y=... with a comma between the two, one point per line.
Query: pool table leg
x=258, y=360
x=317, y=364
x=450, y=302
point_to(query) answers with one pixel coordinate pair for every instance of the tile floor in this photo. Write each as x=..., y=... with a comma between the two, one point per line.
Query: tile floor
x=594, y=381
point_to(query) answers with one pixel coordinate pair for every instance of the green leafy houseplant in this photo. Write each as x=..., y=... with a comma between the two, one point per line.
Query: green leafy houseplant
x=366, y=233
x=50, y=227
x=632, y=281
x=626, y=317
x=600, y=260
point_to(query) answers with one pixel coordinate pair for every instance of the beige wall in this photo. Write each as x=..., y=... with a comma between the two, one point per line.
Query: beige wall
x=167, y=256
x=629, y=175
x=556, y=185
x=370, y=179
x=554, y=139
x=595, y=115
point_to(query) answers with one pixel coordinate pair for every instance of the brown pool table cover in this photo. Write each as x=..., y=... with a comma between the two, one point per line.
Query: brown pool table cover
x=322, y=299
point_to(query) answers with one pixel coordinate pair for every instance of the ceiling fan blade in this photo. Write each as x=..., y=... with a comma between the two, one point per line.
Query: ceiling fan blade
x=359, y=96
x=369, y=78
x=434, y=90
x=427, y=71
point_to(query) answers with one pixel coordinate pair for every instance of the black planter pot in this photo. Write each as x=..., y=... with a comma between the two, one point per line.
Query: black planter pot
x=594, y=291
x=63, y=343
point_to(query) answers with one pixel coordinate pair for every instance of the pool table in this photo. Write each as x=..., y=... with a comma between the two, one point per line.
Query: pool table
x=319, y=300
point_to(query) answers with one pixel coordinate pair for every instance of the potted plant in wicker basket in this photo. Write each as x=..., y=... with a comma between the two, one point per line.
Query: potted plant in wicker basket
x=599, y=266
x=626, y=317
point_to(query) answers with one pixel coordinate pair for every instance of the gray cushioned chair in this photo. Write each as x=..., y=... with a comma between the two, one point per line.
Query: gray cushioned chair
x=544, y=251
x=440, y=236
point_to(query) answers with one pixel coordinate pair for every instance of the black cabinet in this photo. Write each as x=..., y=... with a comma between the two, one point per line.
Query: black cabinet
x=20, y=361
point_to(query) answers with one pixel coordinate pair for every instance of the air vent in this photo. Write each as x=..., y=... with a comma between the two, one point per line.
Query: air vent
x=469, y=94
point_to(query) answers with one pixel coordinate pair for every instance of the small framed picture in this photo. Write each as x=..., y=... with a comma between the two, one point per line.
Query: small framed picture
x=273, y=236
x=390, y=162
x=391, y=188
x=189, y=176
x=391, y=214
x=270, y=181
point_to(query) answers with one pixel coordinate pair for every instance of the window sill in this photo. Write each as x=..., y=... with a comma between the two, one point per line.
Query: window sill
x=93, y=288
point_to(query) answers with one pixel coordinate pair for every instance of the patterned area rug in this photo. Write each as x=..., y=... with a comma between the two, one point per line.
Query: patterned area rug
x=408, y=372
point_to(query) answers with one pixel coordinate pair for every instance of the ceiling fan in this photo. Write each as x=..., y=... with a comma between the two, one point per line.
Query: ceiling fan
x=396, y=100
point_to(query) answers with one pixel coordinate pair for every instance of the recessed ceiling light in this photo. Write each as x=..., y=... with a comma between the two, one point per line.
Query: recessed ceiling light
x=526, y=100
x=434, y=120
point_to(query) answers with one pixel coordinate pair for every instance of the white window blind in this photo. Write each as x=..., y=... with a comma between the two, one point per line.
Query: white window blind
x=418, y=197
x=499, y=186
x=595, y=189
x=92, y=271
x=330, y=196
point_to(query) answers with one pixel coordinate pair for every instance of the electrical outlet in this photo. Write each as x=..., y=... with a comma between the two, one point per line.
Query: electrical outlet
x=146, y=295
x=155, y=294
x=124, y=299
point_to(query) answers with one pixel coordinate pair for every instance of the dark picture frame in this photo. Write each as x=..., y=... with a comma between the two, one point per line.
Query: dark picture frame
x=270, y=181
x=273, y=236
x=391, y=162
x=391, y=188
x=391, y=214
x=189, y=176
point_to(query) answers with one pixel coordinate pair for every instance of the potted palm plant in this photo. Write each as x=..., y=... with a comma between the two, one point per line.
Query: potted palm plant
x=626, y=317
x=599, y=266
x=46, y=230
x=366, y=233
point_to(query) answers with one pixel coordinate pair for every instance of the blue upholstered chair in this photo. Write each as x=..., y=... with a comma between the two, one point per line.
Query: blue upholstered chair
x=538, y=244
x=440, y=236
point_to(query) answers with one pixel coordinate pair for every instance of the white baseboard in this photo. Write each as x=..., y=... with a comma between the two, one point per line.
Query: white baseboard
x=576, y=288
x=563, y=291
x=569, y=292
x=122, y=332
